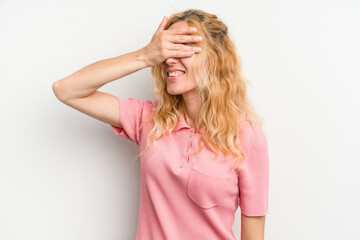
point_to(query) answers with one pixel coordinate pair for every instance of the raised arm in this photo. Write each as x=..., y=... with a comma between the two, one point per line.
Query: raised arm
x=87, y=80
x=79, y=90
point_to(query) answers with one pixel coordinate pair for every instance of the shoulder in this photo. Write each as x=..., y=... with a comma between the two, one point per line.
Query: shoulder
x=145, y=106
x=252, y=135
x=255, y=146
x=148, y=109
x=136, y=110
x=139, y=102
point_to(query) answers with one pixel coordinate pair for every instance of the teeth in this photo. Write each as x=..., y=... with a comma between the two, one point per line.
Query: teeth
x=171, y=74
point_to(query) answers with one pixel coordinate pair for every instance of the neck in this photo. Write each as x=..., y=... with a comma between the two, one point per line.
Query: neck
x=191, y=115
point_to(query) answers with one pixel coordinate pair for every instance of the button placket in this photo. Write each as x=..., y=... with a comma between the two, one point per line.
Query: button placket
x=188, y=149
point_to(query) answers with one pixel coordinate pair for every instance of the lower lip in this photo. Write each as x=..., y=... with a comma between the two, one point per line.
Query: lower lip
x=173, y=78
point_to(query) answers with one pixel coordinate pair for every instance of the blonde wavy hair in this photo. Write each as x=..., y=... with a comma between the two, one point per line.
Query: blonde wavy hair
x=221, y=87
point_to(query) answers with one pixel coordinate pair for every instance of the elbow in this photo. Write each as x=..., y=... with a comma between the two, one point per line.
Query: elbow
x=59, y=90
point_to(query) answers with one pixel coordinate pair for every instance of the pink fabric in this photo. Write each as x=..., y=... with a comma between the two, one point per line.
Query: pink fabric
x=186, y=196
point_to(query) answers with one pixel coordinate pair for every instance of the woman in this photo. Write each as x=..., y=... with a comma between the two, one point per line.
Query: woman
x=203, y=152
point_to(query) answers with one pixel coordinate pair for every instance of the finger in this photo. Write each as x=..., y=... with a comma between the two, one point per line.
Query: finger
x=186, y=30
x=179, y=54
x=183, y=48
x=162, y=25
x=184, y=39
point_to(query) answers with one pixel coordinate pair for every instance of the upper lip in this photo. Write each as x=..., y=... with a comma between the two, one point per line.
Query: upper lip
x=174, y=70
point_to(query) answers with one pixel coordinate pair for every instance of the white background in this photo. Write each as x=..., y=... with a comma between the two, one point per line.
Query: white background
x=64, y=175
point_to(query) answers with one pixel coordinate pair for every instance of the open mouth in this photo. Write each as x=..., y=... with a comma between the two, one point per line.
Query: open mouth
x=175, y=73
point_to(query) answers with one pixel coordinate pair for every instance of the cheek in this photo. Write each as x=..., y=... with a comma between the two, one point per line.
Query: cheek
x=162, y=66
x=188, y=62
x=163, y=72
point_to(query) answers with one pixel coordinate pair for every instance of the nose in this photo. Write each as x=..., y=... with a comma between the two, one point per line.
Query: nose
x=171, y=61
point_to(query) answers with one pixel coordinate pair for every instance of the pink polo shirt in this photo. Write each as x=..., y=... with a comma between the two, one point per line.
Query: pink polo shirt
x=187, y=197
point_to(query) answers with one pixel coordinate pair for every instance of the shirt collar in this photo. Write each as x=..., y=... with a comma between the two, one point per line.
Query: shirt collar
x=182, y=124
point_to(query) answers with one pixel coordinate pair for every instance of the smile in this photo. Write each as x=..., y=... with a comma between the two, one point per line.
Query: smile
x=175, y=76
x=177, y=73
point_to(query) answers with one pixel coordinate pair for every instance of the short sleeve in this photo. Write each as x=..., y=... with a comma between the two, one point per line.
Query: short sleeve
x=131, y=116
x=254, y=177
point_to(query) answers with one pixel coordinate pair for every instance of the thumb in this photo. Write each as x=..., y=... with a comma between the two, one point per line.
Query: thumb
x=162, y=25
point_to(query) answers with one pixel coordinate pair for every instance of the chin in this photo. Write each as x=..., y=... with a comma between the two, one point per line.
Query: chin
x=173, y=93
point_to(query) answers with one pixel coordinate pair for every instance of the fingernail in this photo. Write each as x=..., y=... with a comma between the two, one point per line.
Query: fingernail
x=198, y=49
x=193, y=29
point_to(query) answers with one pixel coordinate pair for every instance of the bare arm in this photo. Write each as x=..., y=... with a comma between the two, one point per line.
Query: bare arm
x=87, y=80
x=79, y=90
x=252, y=228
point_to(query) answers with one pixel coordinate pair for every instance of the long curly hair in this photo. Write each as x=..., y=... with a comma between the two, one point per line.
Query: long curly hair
x=221, y=86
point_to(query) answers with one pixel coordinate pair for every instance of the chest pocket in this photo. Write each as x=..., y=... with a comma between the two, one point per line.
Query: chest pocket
x=206, y=190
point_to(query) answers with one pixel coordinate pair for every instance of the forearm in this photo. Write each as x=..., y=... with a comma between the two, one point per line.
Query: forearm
x=87, y=80
x=252, y=228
